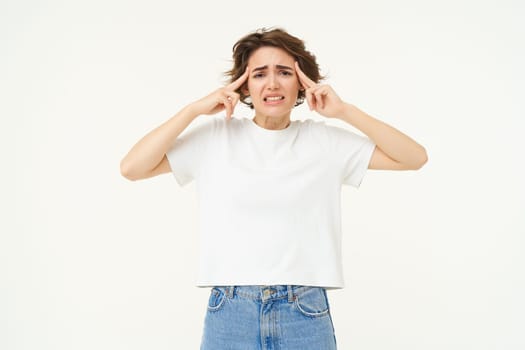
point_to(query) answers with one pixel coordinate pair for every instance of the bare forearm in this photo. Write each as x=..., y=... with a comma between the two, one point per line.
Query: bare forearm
x=146, y=158
x=395, y=144
x=147, y=153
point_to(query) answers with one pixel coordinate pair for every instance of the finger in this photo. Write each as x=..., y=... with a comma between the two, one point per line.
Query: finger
x=227, y=105
x=310, y=99
x=303, y=78
x=320, y=97
x=233, y=97
x=235, y=100
x=238, y=83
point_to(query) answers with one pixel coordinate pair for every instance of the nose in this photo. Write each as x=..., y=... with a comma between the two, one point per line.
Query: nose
x=272, y=82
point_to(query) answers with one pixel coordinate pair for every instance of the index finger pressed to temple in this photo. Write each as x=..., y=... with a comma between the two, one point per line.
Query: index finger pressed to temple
x=240, y=80
x=303, y=77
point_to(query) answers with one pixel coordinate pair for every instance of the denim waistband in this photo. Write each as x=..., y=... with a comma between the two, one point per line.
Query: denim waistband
x=265, y=292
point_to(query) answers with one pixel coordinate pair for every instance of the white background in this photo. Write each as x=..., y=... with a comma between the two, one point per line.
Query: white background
x=434, y=259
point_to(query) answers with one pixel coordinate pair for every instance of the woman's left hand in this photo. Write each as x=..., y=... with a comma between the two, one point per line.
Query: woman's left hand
x=320, y=98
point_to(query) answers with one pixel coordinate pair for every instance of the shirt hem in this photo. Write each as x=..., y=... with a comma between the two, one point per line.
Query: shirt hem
x=329, y=286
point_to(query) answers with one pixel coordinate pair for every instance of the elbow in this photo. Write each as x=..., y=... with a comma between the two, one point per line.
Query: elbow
x=126, y=170
x=422, y=159
x=416, y=161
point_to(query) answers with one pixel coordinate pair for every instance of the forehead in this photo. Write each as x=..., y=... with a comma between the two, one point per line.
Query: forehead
x=268, y=55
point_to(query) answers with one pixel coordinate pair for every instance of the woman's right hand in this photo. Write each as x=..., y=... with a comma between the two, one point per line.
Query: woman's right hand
x=221, y=99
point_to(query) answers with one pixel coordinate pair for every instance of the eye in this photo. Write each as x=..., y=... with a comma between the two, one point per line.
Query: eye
x=286, y=72
x=258, y=75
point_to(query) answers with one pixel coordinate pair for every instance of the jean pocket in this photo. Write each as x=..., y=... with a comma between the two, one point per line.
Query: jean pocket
x=216, y=299
x=312, y=302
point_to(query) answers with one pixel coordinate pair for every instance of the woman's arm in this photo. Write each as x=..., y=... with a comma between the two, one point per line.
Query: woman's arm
x=147, y=157
x=394, y=150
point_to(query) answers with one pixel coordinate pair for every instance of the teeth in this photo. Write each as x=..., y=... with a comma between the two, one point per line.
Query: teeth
x=274, y=98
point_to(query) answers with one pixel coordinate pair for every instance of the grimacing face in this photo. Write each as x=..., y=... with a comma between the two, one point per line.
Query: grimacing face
x=273, y=84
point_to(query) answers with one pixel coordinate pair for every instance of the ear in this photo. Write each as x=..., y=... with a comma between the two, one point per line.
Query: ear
x=244, y=90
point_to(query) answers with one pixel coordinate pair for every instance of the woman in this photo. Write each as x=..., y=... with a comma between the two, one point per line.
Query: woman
x=269, y=192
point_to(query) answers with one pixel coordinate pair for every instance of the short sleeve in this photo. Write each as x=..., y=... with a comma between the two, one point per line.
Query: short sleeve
x=189, y=151
x=352, y=152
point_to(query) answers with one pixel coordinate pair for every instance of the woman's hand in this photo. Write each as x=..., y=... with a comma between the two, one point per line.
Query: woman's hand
x=320, y=98
x=221, y=99
x=394, y=150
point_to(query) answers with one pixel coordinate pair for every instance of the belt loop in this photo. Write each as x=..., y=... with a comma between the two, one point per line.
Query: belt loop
x=290, y=293
x=229, y=291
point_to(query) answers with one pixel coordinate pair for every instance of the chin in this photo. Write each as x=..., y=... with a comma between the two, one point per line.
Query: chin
x=274, y=112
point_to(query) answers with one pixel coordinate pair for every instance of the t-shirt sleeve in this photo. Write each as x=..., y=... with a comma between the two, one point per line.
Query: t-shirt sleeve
x=352, y=153
x=189, y=151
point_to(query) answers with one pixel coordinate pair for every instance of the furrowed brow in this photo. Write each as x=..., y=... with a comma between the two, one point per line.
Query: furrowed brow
x=260, y=68
x=278, y=66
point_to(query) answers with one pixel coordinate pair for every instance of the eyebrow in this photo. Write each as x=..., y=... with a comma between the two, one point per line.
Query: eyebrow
x=278, y=66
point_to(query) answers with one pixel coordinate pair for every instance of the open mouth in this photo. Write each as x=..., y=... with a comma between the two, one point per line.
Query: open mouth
x=273, y=98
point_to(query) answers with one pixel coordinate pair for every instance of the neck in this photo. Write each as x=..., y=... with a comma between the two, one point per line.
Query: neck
x=272, y=123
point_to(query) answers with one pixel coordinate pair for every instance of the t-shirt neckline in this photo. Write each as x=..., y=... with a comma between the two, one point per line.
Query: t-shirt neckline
x=264, y=131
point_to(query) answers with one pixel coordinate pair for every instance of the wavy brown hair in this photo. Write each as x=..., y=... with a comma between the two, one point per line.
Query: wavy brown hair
x=275, y=37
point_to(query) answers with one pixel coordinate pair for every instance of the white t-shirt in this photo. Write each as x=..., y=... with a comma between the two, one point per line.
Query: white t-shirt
x=269, y=200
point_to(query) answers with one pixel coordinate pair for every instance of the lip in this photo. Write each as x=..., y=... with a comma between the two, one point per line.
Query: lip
x=273, y=102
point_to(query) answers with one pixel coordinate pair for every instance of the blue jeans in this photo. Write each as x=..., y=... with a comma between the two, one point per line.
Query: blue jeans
x=277, y=317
